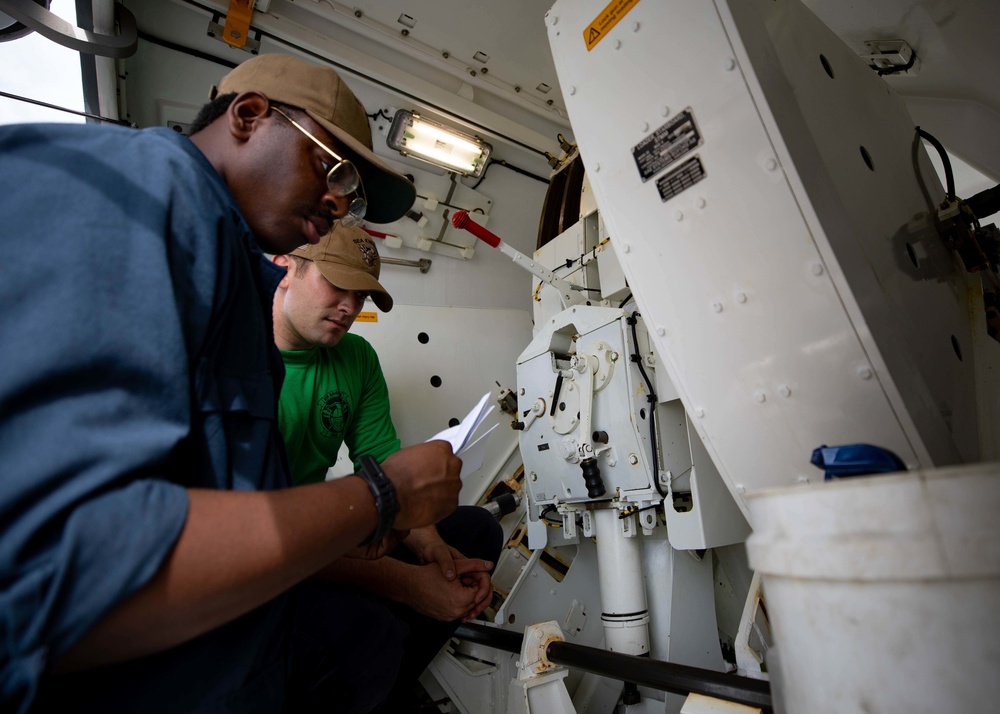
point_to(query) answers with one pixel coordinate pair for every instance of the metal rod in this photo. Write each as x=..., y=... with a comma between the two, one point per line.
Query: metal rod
x=424, y=263
x=665, y=676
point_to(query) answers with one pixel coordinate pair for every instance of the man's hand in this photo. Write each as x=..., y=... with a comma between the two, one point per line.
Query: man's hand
x=426, y=481
x=374, y=551
x=431, y=594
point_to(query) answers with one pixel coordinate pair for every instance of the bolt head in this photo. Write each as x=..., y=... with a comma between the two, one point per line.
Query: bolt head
x=633, y=459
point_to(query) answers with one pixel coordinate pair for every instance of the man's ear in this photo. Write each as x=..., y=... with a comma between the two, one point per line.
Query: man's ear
x=246, y=110
x=288, y=264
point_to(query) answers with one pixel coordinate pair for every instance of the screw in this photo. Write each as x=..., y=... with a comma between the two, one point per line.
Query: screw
x=644, y=126
x=555, y=19
x=633, y=459
x=699, y=412
x=817, y=268
x=635, y=27
x=550, y=102
x=484, y=70
x=784, y=391
x=358, y=13
x=472, y=73
x=717, y=306
x=517, y=88
x=679, y=216
x=533, y=476
x=759, y=396
x=626, y=247
x=665, y=110
x=661, y=331
x=770, y=164
x=618, y=44
x=865, y=372
x=730, y=64
x=572, y=90
x=741, y=298
x=521, y=391
x=446, y=54
x=597, y=167
x=700, y=203
x=405, y=33
x=234, y=33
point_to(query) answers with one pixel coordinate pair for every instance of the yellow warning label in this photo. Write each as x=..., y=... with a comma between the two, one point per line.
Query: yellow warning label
x=367, y=317
x=602, y=24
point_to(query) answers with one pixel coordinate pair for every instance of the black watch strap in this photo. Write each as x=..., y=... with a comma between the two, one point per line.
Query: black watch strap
x=385, y=497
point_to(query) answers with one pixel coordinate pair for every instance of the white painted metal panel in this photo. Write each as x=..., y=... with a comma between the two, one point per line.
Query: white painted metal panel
x=762, y=304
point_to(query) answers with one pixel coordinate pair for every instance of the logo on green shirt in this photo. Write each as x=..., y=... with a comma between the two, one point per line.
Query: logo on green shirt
x=334, y=413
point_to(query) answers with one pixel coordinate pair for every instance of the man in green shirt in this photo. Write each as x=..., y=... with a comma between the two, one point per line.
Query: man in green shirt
x=390, y=615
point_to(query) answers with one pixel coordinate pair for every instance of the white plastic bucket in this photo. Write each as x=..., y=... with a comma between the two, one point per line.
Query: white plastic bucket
x=883, y=592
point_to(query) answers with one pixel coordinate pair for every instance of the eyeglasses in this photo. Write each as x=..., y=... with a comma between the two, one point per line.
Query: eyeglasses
x=342, y=178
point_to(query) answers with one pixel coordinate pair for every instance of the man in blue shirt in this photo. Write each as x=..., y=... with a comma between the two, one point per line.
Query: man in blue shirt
x=149, y=537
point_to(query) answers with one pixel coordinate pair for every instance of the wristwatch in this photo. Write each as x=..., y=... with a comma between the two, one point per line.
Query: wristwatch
x=384, y=492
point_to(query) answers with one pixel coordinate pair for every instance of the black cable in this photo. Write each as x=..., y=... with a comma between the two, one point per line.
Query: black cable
x=506, y=165
x=624, y=302
x=898, y=68
x=651, y=398
x=19, y=98
x=483, y=177
x=185, y=50
x=945, y=159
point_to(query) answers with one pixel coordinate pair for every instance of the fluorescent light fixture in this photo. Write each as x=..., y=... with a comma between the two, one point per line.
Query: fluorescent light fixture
x=413, y=135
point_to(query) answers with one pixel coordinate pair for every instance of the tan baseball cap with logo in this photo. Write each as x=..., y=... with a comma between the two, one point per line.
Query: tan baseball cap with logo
x=321, y=93
x=348, y=258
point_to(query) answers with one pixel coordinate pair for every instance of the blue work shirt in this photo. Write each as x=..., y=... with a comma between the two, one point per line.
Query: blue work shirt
x=136, y=360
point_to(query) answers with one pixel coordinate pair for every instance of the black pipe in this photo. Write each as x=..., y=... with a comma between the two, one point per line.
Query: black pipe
x=664, y=676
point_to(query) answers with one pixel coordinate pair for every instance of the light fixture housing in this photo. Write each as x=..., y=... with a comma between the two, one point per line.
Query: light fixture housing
x=414, y=135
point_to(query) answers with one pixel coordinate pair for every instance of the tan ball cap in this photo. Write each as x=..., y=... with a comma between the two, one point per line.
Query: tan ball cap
x=321, y=93
x=348, y=258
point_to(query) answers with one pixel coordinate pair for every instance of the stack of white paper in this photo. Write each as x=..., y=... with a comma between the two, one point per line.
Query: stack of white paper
x=458, y=436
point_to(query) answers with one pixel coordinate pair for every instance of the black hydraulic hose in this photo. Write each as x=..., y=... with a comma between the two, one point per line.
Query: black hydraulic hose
x=949, y=175
x=664, y=676
x=651, y=398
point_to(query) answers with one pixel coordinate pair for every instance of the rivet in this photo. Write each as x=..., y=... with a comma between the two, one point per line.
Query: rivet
x=618, y=44
x=759, y=397
x=572, y=90
x=700, y=203
x=817, y=268
x=679, y=216
x=865, y=372
x=771, y=164
x=597, y=167
x=730, y=64
x=626, y=247
x=717, y=306
x=635, y=27
x=741, y=298
x=660, y=331
x=644, y=126
x=699, y=412
x=784, y=391
x=665, y=110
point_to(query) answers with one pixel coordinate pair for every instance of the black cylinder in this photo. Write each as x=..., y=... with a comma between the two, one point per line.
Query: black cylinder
x=664, y=676
x=592, y=477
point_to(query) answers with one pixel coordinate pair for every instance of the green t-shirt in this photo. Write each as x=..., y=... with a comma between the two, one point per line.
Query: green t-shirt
x=334, y=395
